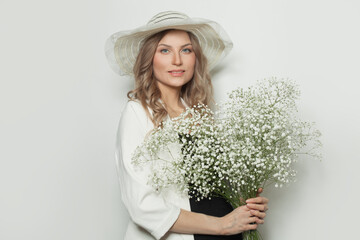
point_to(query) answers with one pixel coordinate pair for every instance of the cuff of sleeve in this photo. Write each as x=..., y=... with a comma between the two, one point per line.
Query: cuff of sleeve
x=167, y=223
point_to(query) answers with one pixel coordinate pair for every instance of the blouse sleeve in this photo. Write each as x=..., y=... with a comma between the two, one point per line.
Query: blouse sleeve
x=146, y=208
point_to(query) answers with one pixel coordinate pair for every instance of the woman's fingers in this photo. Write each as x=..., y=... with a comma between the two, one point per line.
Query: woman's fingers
x=259, y=207
x=252, y=220
x=258, y=214
x=250, y=227
x=260, y=190
x=241, y=219
x=254, y=216
x=259, y=200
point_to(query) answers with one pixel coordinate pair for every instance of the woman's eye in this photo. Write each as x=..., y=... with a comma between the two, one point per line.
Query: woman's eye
x=187, y=50
x=164, y=51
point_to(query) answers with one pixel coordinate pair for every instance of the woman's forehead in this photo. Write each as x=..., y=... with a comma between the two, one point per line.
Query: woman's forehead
x=175, y=37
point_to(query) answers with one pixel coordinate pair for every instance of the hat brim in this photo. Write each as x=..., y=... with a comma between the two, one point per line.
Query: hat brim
x=123, y=47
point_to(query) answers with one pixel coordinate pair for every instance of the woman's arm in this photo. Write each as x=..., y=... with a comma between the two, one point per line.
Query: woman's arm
x=146, y=208
x=241, y=219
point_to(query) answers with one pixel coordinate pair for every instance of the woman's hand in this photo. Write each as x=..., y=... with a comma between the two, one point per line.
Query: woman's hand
x=246, y=217
x=258, y=206
x=239, y=220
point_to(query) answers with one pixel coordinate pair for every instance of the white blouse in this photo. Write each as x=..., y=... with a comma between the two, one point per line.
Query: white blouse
x=151, y=214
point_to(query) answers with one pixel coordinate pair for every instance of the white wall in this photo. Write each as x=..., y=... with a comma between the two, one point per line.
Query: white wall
x=60, y=104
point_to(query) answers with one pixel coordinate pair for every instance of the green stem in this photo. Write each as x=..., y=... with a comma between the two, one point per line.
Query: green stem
x=252, y=235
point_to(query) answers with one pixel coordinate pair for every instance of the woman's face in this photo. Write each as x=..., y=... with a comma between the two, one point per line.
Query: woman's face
x=174, y=60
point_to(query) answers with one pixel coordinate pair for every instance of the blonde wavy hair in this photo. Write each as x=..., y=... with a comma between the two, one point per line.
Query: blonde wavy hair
x=198, y=90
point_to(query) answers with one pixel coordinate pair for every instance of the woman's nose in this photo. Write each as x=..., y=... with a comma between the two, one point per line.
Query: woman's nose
x=177, y=59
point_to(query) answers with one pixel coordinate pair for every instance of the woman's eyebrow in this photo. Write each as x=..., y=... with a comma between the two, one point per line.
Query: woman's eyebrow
x=163, y=44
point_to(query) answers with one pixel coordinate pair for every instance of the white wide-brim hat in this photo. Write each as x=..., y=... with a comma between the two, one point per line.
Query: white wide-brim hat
x=122, y=48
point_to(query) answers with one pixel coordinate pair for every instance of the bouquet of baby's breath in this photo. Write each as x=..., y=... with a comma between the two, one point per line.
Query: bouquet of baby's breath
x=252, y=141
x=265, y=137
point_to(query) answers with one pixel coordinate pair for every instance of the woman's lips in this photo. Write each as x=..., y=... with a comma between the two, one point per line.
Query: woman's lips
x=176, y=73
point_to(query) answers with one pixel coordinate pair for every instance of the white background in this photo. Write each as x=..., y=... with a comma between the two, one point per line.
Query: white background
x=60, y=104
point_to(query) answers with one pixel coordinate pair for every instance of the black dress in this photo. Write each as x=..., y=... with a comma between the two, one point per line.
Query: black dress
x=215, y=207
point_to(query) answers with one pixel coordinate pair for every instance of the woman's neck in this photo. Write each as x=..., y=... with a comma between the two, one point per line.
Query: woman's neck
x=173, y=103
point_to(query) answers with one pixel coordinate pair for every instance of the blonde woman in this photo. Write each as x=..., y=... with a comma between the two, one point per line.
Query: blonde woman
x=170, y=59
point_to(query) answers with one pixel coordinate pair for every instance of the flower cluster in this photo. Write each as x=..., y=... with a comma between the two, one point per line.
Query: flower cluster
x=160, y=154
x=251, y=141
x=184, y=152
x=265, y=136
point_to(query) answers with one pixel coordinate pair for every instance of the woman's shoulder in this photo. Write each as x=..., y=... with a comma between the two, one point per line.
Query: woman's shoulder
x=134, y=112
x=133, y=106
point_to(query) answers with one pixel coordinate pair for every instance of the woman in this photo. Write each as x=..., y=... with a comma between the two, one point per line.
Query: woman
x=170, y=58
